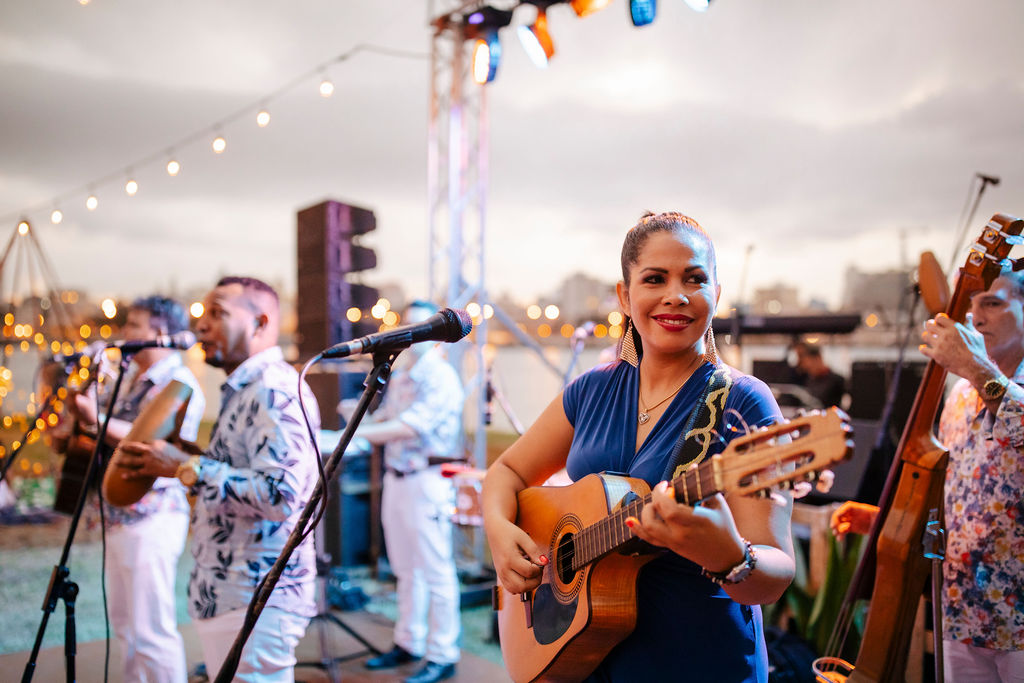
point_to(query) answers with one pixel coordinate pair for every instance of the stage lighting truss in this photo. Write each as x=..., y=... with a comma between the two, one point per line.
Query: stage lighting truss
x=483, y=24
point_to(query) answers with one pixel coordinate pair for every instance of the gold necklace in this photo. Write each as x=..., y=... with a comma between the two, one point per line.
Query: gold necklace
x=643, y=417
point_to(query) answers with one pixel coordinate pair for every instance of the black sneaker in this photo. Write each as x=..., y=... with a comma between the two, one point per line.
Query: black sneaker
x=396, y=657
x=432, y=672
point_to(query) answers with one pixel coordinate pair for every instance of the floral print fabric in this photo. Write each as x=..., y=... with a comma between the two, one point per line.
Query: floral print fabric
x=983, y=587
x=255, y=478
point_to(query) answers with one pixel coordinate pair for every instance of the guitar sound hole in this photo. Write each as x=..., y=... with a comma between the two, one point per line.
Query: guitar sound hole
x=564, y=557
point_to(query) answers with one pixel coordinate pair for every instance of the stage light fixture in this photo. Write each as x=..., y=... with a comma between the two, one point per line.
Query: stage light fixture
x=587, y=7
x=699, y=5
x=486, y=58
x=536, y=40
x=642, y=12
x=482, y=25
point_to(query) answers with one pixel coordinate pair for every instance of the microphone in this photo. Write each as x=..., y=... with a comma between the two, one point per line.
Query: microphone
x=447, y=325
x=91, y=351
x=583, y=331
x=994, y=180
x=179, y=340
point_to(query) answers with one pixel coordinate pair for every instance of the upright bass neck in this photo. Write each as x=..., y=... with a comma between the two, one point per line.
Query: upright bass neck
x=894, y=566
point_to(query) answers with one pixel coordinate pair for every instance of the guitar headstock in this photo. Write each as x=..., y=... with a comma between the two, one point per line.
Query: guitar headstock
x=785, y=453
x=986, y=260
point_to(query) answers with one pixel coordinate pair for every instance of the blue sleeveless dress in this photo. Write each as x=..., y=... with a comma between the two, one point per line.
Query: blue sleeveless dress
x=688, y=628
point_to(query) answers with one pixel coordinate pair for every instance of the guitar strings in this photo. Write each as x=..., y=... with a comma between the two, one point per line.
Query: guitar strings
x=585, y=537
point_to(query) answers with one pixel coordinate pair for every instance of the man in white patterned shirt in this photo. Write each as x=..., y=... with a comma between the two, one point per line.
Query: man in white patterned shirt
x=145, y=540
x=420, y=423
x=250, y=486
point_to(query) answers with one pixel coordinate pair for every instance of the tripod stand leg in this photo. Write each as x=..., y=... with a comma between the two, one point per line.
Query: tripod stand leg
x=70, y=594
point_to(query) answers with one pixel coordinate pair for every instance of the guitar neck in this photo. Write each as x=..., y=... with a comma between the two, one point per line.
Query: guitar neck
x=611, y=533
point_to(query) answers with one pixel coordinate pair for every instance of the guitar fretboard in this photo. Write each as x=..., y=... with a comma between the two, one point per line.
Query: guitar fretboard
x=597, y=540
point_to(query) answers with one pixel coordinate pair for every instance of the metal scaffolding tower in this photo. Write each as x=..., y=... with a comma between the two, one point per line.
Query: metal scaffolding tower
x=457, y=198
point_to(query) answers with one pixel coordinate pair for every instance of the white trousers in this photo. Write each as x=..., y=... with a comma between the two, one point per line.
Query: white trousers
x=142, y=560
x=968, y=664
x=416, y=514
x=269, y=653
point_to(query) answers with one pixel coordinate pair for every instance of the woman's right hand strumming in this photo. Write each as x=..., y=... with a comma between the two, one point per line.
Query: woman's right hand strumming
x=518, y=561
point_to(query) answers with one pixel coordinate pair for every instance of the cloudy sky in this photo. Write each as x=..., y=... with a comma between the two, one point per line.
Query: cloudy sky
x=818, y=131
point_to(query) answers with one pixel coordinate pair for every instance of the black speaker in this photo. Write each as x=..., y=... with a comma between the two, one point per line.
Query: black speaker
x=346, y=523
x=869, y=384
x=328, y=256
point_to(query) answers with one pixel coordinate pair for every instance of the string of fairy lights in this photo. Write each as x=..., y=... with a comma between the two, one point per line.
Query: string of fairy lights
x=31, y=331
x=30, y=334
x=258, y=111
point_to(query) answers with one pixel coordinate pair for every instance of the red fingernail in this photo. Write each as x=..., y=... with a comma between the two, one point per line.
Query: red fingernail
x=543, y=559
x=630, y=522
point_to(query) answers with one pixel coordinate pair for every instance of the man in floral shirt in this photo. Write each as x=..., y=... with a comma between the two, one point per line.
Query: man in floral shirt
x=250, y=486
x=145, y=540
x=982, y=425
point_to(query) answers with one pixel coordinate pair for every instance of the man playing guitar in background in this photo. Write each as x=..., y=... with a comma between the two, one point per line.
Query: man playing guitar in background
x=145, y=540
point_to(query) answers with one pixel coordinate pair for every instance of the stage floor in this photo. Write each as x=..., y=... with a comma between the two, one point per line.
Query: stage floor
x=323, y=639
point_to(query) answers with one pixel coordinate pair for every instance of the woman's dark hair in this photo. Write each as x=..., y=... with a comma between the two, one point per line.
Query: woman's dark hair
x=166, y=316
x=651, y=223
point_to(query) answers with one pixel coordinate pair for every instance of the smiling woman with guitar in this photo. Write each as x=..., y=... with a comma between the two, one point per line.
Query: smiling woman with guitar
x=572, y=600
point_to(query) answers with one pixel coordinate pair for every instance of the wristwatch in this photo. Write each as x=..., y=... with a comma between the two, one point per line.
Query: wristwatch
x=738, y=573
x=188, y=471
x=994, y=389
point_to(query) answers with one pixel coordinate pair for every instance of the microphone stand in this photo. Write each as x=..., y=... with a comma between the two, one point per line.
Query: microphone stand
x=375, y=382
x=577, y=348
x=60, y=587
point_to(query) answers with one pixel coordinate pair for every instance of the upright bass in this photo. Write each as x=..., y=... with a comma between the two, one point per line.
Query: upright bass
x=895, y=559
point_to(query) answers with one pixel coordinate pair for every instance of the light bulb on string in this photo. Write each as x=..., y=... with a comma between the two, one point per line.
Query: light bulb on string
x=131, y=187
x=219, y=144
x=91, y=202
x=326, y=87
x=263, y=118
x=23, y=227
x=56, y=216
x=173, y=167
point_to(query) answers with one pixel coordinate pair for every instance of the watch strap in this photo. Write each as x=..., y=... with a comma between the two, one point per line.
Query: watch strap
x=738, y=573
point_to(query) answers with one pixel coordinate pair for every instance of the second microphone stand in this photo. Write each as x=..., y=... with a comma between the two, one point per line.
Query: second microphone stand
x=61, y=587
x=376, y=380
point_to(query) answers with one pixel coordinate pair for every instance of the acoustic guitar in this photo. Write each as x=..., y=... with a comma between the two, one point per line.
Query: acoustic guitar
x=161, y=418
x=74, y=443
x=586, y=602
